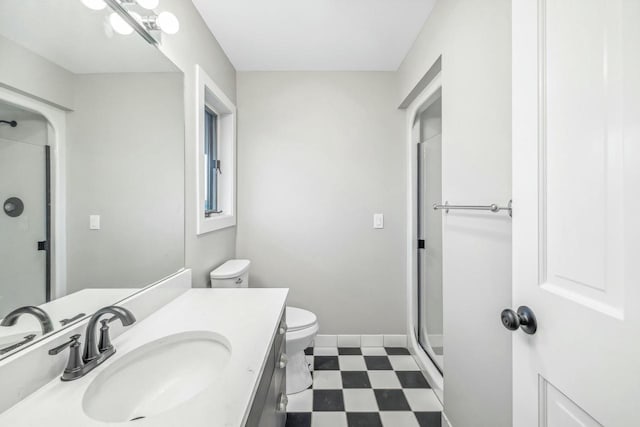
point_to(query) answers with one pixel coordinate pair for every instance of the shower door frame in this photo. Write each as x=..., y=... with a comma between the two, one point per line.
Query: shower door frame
x=430, y=93
x=48, y=243
x=56, y=141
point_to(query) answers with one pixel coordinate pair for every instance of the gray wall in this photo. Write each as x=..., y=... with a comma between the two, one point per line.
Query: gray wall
x=31, y=129
x=34, y=75
x=474, y=39
x=319, y=153
x=125, y=162
x=194, y=44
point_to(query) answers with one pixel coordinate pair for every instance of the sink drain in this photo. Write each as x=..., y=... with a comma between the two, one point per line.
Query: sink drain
x=137, y=418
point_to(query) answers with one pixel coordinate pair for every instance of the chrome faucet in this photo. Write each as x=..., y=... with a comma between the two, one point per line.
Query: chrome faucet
x=94, y=353
x=45, y=321
x=92, y=350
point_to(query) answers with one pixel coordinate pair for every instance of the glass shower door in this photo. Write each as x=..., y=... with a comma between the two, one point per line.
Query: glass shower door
x=430, y=333
x=23, y=225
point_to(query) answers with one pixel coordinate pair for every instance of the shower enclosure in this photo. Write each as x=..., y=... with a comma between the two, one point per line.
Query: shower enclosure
x=25, y=260
x=428, y=136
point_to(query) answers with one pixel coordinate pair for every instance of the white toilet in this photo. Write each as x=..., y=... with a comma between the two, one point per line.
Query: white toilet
x=302, y=325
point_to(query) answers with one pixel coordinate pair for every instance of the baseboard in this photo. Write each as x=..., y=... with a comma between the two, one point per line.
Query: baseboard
x=360, y=341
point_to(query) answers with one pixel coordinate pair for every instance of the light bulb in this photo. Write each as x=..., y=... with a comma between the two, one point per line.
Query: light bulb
x=148, y=4
x=168, y=22
x=121, y=26
x=94, y=4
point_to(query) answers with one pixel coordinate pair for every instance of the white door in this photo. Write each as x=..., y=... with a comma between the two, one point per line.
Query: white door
x=576, y=220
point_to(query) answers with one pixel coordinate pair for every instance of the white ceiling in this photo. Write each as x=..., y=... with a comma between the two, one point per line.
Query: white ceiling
x=315, y=34
x=77, y=38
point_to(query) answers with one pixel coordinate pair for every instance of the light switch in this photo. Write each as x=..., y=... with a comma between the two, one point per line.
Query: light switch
x=378, y=220
x=94, y=222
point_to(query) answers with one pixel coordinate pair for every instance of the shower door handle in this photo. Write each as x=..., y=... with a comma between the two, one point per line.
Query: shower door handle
x=421, y=244
x=523, y=318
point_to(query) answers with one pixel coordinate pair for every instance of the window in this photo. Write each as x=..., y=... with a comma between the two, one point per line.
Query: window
x=212, y=165
x=215, y=156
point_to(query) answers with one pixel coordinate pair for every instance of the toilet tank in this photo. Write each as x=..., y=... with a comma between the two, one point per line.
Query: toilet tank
x=232, y=274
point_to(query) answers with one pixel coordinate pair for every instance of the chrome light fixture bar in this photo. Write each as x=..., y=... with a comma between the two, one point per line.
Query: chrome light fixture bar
x=126, y=16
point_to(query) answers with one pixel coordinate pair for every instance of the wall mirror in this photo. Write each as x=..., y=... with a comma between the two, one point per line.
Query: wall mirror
x=91, y=166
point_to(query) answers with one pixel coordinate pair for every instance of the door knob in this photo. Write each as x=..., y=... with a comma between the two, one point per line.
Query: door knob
x=523, y=318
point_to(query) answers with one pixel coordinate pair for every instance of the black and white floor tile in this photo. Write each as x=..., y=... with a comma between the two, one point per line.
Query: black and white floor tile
x=364, y=387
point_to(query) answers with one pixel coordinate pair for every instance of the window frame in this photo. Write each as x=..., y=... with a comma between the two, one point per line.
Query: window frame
x=210, y=96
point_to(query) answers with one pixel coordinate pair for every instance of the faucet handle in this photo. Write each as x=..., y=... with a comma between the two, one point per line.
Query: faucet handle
x=73, y=339
x=75, y=365
x=104, y=344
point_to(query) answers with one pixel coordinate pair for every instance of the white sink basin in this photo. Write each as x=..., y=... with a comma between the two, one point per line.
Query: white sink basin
x=157, y=377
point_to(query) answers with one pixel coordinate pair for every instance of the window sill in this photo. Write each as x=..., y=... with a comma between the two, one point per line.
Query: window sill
x=215, y=222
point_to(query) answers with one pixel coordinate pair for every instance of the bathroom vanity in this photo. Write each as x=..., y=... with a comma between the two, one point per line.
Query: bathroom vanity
x=100, y=117
x=210, y=357
x=269, y=408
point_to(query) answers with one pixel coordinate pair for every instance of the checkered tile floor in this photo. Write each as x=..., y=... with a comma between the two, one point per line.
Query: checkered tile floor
x=364, y=387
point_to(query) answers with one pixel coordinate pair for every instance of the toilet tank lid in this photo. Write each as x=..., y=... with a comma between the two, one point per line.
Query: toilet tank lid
x=230, y=269
x=298, y=318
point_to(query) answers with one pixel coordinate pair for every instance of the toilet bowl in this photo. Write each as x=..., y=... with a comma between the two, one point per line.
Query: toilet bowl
x=302, y=325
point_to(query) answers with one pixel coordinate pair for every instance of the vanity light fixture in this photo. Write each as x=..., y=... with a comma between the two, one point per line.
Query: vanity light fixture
x=165, y=22
x=120, y=26
x=125, y=21
x=148, y=4
x=94, y=4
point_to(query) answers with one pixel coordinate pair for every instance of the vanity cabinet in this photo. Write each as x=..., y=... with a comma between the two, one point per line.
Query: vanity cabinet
x=269, y=407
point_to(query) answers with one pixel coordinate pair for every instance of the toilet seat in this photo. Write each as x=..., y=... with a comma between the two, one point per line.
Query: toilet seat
x=298, y=319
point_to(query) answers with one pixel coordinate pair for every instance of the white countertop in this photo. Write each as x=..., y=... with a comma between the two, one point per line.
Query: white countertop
x=84, y=301
x=248, y=318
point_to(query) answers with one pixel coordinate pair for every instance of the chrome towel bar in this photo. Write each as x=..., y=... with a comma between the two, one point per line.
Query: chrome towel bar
x=492, y=208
